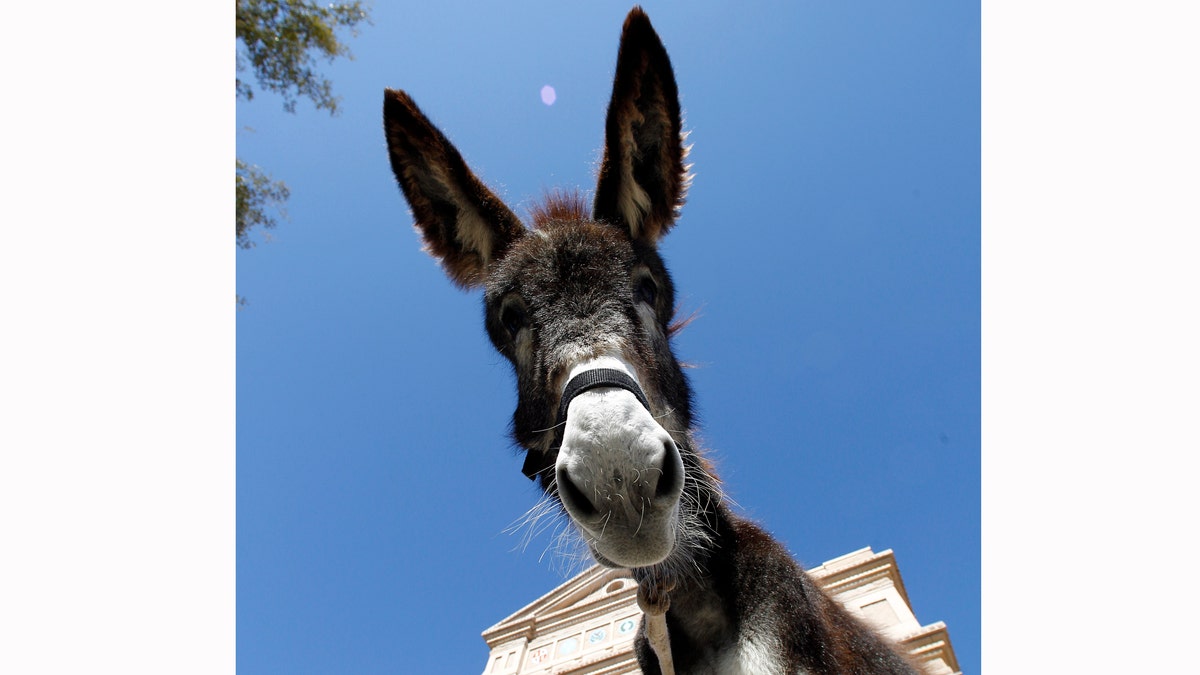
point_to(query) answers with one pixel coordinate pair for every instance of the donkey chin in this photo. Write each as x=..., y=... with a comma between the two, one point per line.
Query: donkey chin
x=620, y=477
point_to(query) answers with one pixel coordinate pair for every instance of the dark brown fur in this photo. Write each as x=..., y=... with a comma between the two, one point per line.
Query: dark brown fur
x=559, y=207
x=577, y=287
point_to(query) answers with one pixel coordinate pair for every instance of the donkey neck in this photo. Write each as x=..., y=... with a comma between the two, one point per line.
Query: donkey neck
x=703, y=618
x=748, y=607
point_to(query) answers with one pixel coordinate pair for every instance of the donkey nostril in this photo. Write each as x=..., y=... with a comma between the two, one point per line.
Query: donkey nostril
x=670, y=483
x=572, y=497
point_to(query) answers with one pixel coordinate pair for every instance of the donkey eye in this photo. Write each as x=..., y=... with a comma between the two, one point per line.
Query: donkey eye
x=513, y=319
x=646, y=291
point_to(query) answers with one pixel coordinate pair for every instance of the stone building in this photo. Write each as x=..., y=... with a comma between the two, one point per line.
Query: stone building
x=586, y=625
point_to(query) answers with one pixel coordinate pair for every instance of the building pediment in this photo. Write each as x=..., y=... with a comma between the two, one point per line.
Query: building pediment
x=585, y=625
x=594, y=592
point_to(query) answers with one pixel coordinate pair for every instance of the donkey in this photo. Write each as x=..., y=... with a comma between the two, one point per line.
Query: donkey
x=582, y=306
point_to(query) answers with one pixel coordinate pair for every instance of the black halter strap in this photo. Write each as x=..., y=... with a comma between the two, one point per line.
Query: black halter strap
x=598, y=377
x=588, y=379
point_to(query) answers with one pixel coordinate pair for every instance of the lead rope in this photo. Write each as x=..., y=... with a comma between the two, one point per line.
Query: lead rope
x=653, y=599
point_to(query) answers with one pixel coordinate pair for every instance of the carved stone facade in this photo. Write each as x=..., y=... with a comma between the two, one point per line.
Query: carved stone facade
x=586, y=625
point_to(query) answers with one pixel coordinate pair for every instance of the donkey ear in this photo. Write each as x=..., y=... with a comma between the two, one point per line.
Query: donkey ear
x=642, y=178
x=463, y=223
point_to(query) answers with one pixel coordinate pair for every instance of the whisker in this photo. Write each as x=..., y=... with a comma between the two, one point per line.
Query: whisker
x=550, y=428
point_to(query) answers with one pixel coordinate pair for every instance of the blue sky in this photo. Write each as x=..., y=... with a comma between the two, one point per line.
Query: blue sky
x=830, y=246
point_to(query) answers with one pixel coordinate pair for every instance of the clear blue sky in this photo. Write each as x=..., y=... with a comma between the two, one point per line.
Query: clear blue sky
x=830, y=245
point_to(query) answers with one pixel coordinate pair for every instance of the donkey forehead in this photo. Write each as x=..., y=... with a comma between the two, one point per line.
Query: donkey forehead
x=564, y=257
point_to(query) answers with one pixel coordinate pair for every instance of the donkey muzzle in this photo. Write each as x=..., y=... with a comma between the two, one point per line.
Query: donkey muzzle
x=619, y=473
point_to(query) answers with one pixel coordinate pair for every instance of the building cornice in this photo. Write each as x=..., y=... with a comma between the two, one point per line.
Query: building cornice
x=932, y=643
x=857, y=569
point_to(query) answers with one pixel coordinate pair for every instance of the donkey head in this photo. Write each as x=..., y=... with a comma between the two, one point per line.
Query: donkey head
x=582, y=308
